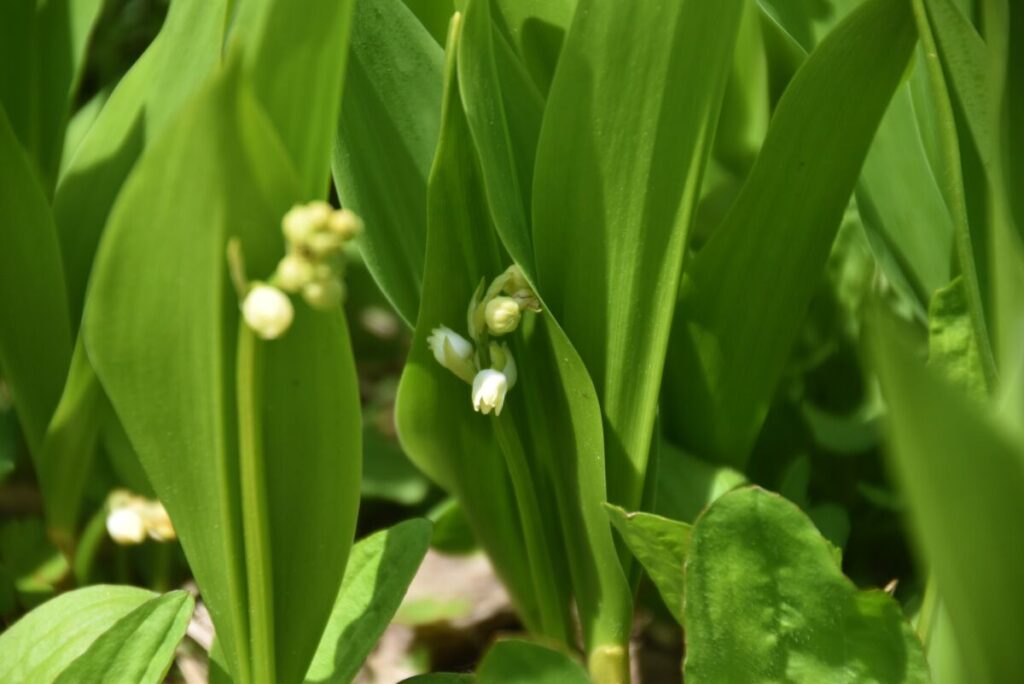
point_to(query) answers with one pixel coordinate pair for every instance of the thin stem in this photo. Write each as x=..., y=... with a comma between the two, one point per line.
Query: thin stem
x=255, y=522
x=538, y=550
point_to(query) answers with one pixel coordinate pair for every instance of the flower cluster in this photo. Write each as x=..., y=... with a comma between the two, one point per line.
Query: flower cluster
x=484, y=363
x=132, y=518
x=314, y=265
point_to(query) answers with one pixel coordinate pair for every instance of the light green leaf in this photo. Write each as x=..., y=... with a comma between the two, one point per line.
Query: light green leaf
x=686, y=484
x=440, y=678
x=296, y=64
x=390, y=115
x=147, y=98
x=623, y=145
x=536, y=29
x=35, y=336
x=755, y=277
x=28, y=653
x=660, y=544
x=962, y=477
x=521, y=662
x=952, y=348
x=379, y=571
x=138, y=648
x=221, y=171
x=766, y=601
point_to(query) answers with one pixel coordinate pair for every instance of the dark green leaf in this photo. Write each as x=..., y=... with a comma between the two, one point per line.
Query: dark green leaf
x=754, y=279
x=390, y=114
x=765, y=601
x=521, y=662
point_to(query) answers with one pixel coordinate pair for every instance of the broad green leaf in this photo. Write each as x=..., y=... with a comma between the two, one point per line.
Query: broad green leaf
x=138, y=648
x=626, y=133
x=521, y=662
x=660, y=544
x=379, y=571
x=35, y=336
x=746, y=293
x=436, y=424
x=42, y=48
x=952, y=348
x=221, y=171
x=962, y=476
x=387, y=130
x=30, y=653
x=766, y=601
x=434, y=15
x=296, y=64
x=440, y=678
x=187, y=48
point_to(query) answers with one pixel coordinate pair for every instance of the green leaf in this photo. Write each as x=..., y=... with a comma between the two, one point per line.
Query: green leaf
x=687, y=484
x=36, y=567
x=139, y=648
x=35, y=336
x=47, y=41
x=187, y=48
x=521, y=662
x=962, y=476
x=536, y=28
x=28, y=651
x=220, y=170
x=70, y=446
x=387, y=130
x=755, y=277
x=660, y=544
x=440, y=678
x=766, y=601
x=952, y=347
x=296, y=63
x=378, y=573
x=622, y=203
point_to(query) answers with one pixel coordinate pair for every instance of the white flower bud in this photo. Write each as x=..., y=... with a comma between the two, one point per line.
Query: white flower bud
x=453, y=351
x=298, y=225
x=345, y=224
x=267, y=311
x=323, y=294
x=293, y=271
x=319, y=213
x=324, y=244
x=489, y=388
x=126, y=525
x=502, y=315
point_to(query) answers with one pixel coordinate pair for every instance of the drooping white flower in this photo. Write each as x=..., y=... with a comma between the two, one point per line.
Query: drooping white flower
x=126, y=525
x=453, y=351
x=489, y=389
x=158, y=522
x=267, y=311
x=502, y=315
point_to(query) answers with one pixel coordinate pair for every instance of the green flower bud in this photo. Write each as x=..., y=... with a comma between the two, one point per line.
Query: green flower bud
x=323, y=294
x=502, y=315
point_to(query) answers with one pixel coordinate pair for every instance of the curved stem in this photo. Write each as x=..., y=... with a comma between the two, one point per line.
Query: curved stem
x=255, y=524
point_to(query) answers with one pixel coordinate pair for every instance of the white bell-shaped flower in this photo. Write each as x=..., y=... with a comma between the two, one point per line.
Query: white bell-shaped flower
x=267, y=311
x=489, y=389
x=453, y=351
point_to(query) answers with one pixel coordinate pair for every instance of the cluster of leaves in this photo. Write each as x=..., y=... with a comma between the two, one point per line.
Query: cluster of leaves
x=746, y=224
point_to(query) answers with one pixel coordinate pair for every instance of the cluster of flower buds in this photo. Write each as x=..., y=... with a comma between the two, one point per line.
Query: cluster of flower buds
x=132, y=518
x=314, y=265
x=483, y=363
